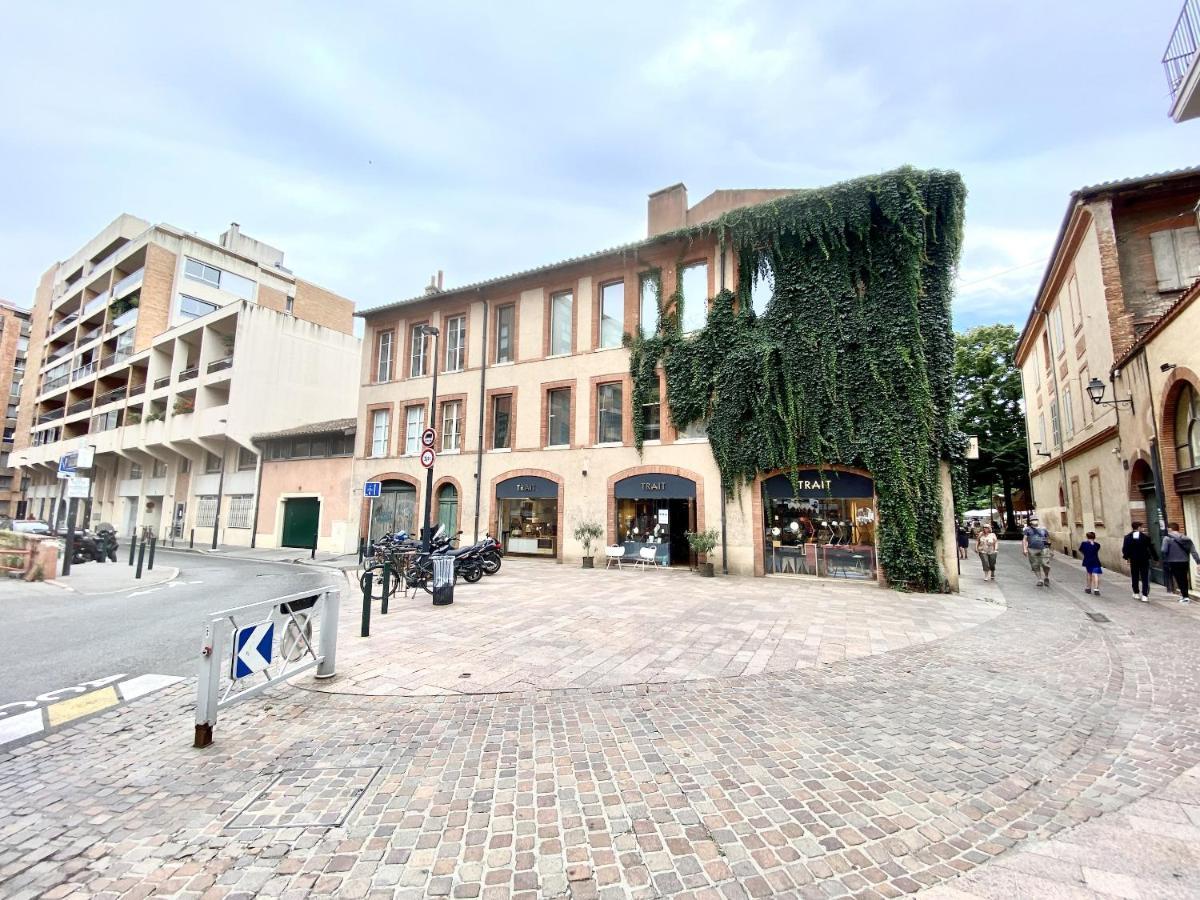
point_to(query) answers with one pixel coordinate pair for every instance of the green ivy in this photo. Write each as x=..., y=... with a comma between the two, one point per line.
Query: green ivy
x=852, y=361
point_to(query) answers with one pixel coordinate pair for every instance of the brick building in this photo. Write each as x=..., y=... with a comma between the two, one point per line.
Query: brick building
x=14, y=345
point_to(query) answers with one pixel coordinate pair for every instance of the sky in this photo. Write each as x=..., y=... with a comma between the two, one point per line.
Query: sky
x=376, y=143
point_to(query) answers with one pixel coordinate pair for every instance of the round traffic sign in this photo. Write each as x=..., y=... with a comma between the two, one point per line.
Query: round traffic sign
x=427, y=457
x=428, y=437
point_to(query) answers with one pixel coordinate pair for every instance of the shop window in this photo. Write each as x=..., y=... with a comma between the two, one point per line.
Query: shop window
x=414, y=424
x=1187, y=428
x=558, y=416
x=612, y=314
x=452, y=421
x=247, y=459
x=651, y=416
x=418, y=344
x=820, y=523
x=501, y=422
x=608, y=413
x=456, y=343
x=649, y=287
x=241, y=510
x=694, y=281
x=447, y=505
x=561, y=323
x=527, y=518
x=1176, y=257
x=379, y=432
x=383, y=358
x=504, y=333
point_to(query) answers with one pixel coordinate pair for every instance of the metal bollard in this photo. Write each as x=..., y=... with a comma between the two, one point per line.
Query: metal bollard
x=387, y=587
x=362, y=549
x=141, y=557
x=132, y=547
x=150, y=565
x=192, y=540
x=313, y=555
x=365, y=631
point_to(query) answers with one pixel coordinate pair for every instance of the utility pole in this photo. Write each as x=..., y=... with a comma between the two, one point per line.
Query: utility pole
x=427, y=533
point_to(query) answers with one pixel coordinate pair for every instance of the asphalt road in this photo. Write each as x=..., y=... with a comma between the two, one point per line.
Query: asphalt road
x=47, y=643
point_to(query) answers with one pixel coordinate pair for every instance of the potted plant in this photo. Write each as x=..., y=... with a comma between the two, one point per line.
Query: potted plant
x=588, y=533
x=184, y=405
x=132, y=418
x=154, y=417
x=702, y=544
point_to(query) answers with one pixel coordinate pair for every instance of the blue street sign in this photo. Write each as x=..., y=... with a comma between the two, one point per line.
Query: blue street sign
x=372, y=488
x=252, y=649
x=66, y=464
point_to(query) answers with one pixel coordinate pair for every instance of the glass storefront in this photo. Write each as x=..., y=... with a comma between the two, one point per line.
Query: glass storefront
x=823, y=524
x=395, y=509
x=656, y=511
x=528, y=516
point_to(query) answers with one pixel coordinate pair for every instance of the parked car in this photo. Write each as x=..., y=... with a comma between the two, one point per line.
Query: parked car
x=31, y=526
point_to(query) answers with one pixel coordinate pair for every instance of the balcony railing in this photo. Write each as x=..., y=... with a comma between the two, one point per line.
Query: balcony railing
x=1182, y=48
x=95, y=303
x=81, y=406
x=163, y=382
x=51, y=416
x=125, y=318
x=137, y=389
x=113, y=358
x=83, y=371
x=90, y=335
x=189, y=374
x=53, y=384
x=218, y=365
x=59, y=354
x=64, y=323
x=128, y=283
x=110, y=396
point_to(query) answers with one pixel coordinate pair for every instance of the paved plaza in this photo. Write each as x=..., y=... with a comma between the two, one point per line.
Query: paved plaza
x=849, y=741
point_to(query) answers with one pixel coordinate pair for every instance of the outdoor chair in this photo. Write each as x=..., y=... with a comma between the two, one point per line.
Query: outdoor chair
x=648, y=556
x=614, y=555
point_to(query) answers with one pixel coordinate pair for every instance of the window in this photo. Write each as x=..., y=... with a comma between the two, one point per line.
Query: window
x=1055, y=429
x=135, y=471
x=561, y=325
x=502, y=422
x=414, y=424
x=695, y=431
x=417, y=351
x=608, y=413
x=241, y=510
x=447, y=503
x=1176, y=257
x=247, y=459
x=1097, y=498
x=504, y=333
x=694, y=280
x=1068, y=411
x=651, y=416
x=1076, y=305
x=198, y=271
x=237, y=285
x=452, y=420
x=1076, y=502
x=1046, y=347
x=1187, y=429
x=1060, y=339
x=159, y=470
x=383, y=357
x=212, y=463
x=1037, y=371
x=612, y=314
x=648, y=303
x=558, y=417
x=206, y=511
x=456, y=341
x=193, y=308
x=289, y=306
x=762, y=288
x=379, y=432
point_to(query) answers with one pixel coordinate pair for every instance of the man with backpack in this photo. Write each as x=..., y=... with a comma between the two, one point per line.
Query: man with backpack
x=1176, y=548
x=1035, y=544
x=1138, y=549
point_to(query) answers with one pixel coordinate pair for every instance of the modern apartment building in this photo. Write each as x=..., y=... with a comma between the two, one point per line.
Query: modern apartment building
x=534, y=415
x=14, y=345
x=1181, y=61
x=1110, y=360
x=167, y=352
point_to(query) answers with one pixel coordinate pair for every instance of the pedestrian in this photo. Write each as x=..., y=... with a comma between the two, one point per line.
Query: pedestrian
x=1090, y=551
x=963, y=542
x=1176, y=548
x=986, y=547
x=1138, y=549
x=1035, y=544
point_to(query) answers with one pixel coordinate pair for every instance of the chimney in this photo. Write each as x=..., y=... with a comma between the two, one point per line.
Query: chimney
x=666, y=210
x=432, y=288
x=229, y=238
x=439, y=281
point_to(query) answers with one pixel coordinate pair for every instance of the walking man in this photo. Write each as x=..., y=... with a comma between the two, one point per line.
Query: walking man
x=1035, y=544
x=1139, y=550
x=1176, y=548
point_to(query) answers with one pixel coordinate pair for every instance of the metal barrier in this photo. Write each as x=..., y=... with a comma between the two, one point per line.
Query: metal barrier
x=244, y=642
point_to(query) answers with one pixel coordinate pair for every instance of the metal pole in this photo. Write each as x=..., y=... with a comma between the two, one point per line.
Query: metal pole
x=327, y=642
x=427, y=535
x=132, y=546
x=483, y=365
x=387, y=587
x=192, y=540
x=365, y=630
x=313, y=555
x=70, y=551
x=220, y=489
x=141, y=558
x=87, y=505
x=150, y=565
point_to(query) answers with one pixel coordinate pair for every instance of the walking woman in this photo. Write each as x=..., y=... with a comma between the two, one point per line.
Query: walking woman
x=1176, y=548
x=1090, y=551
x=987, y=547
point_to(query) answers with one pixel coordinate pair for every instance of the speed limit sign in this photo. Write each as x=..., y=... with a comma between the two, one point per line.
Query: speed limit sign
x=427, y=457
x=428, y=437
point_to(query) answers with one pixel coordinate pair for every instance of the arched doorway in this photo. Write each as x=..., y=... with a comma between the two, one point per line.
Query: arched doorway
x=447, y=508
x=395, y=509
x=1141, y=482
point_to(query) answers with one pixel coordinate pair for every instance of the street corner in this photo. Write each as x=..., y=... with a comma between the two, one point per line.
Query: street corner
x=26, y=720
x=117, y=579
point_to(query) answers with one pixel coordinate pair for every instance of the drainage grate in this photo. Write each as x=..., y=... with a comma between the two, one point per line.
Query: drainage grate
x=1098, y=617
x=307, y=798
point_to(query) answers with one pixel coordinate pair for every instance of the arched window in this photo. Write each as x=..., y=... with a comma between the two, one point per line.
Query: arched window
x=394, y=510
x=1187, y=429
x=447, y=501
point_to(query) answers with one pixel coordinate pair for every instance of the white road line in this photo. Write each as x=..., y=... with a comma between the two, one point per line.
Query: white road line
x=16, y=727
x=146, y=684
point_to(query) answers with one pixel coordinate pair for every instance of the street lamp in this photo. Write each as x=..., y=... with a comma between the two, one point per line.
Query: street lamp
x=1037, y=448
x=427, y=534
x=1095, y=390
x=220, y=483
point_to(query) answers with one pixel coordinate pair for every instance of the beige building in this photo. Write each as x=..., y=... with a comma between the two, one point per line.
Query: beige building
x=533, y=420
x=1110, y=313
x=167, y=352
x=14, y=345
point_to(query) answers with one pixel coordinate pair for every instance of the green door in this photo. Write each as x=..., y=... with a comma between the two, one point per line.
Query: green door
x=300, y=517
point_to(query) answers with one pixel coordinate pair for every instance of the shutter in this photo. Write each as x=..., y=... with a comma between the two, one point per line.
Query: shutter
x=1162, y=243
x=1187, y=254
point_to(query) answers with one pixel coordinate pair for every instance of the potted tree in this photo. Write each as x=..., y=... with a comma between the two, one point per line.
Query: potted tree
x=588, y=533
x=702, y=544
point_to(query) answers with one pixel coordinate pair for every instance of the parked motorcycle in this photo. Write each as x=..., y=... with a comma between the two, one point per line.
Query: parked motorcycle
x=106, y=538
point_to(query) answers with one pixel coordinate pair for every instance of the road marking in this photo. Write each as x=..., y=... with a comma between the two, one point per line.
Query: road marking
x=167, y=586
x=66, y=710
x=146, y=684
x=16, y=727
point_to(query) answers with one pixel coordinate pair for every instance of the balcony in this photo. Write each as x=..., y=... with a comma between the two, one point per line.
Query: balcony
x=83, y=372
x=53, y=384
x=81, y=406
x=94, y=304
x=90, y=335
x=110, y=396
x=1182, y=63
x=59, y=354
x=137, y=390
x=160, y=383
x=126, y=318
x=219, y=365
x=189, y=374
x=63, y=324
x=113, y=358
x=51, y=416
x=128, y=283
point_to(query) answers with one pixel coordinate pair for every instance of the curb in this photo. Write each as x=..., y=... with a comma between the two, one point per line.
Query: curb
x=218, y=554
x=66, y=587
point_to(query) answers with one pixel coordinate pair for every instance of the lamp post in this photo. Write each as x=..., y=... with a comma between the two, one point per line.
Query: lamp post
x=1095, y=389
x=426, y=533
x=220, y=483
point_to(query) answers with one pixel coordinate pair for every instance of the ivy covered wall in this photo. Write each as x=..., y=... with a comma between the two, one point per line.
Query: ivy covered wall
x=850, y=363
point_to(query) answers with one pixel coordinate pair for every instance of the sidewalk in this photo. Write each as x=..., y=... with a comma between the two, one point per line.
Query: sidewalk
x=93, y=579
x=270, y=554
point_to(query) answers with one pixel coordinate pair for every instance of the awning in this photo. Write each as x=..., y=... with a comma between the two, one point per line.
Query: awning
x=655, y=486
x=816, y=484
x=526, y=487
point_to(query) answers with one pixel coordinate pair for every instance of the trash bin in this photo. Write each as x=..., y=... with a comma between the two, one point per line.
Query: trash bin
x=443, y=580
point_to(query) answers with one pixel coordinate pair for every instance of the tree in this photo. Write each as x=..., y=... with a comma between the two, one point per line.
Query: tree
x=987, y=386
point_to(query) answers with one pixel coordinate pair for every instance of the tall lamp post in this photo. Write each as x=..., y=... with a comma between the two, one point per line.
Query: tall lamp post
x=220, y=483
x=427, y=533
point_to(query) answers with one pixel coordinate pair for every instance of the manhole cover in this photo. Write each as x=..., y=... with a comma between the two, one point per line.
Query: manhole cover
x=307, y=798
x=1098, y=617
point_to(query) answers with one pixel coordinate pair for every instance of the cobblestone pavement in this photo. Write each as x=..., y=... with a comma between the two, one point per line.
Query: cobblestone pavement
x=537, y=625
x=871, y=776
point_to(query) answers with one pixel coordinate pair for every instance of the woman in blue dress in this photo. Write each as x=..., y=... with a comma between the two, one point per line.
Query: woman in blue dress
x=1090, y=551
